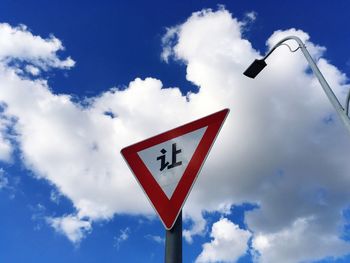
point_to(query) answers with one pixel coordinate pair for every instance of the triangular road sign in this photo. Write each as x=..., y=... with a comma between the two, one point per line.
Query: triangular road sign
x=166, y=165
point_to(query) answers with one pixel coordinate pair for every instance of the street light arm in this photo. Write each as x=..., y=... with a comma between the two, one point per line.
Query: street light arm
x=280, y=43
x=324, y=84
x=343, y=114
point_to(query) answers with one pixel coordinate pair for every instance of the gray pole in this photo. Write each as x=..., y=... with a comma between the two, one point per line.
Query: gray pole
x=342, y=113
x=173, y=242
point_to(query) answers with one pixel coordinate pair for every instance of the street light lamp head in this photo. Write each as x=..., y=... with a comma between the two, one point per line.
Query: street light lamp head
x=255, y=68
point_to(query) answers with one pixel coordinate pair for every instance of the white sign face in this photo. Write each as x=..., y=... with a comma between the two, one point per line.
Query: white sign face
x=168, y=161
x=167, y=165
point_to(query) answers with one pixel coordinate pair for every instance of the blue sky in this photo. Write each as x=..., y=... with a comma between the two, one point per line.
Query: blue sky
x=284, y=190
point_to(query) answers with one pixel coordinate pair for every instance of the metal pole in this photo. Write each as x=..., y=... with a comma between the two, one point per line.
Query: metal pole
x=325, y=86
x=173, y=242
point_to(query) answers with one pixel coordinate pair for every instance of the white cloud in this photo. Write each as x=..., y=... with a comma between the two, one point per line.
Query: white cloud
x=228, y=245
x=275, y=137
x=251, y=16
x=123, y=236
x=19, y=43
x=72, y=226
x=168, y=40
x=32, y=70
x=55, y=196
x=6, y=148
x=275, y=149
x=38, y=215
x=198, y=228
x=156, y=238
x=3, y=179
x=300, y=242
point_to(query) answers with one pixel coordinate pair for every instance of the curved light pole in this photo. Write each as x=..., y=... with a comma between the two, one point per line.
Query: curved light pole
x=259, y=64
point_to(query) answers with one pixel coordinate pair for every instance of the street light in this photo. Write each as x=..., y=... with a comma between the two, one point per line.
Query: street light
x=259, y=64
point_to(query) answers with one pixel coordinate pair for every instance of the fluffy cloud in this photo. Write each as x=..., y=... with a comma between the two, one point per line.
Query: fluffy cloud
x=5, y=143
x=71, y=226
x=19, y=43
x=282, y=146
x=296, y=246
x=280, y=150
x=228, y=245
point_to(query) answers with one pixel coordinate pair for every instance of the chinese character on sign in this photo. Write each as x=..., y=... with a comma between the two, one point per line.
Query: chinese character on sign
x=164, y=164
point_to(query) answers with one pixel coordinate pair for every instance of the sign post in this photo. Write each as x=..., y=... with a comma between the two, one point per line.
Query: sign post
x=166, y=167
x=173, y=242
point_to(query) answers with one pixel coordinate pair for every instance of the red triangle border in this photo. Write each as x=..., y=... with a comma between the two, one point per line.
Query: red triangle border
x=168, y=210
